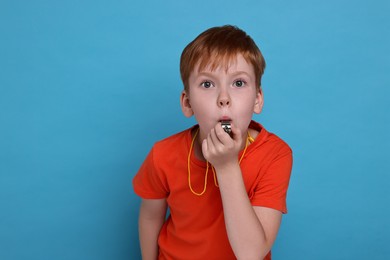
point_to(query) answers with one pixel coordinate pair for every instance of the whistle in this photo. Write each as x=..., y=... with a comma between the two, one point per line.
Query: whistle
x=226, y=127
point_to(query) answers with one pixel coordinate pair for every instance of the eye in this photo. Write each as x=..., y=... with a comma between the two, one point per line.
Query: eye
x=239, y=83
x=206, y=84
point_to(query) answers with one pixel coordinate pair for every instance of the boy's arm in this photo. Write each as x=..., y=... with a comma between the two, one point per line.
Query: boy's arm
x=151, y=218
x=251, y=230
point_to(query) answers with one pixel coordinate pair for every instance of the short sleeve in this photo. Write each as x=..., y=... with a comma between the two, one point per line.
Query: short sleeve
x=271, y=189
x=149, y=182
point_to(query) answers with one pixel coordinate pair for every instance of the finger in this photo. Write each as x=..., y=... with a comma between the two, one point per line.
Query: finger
x=210, y=143
x=236, y=133
x=219, y=137
x=205, y=149
x=213, y=137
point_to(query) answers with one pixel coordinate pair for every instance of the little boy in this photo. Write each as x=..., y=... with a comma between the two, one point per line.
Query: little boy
x=224, y=180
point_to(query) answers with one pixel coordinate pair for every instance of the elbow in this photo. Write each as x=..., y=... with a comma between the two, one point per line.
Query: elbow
x=250, y=256
x=253, y=253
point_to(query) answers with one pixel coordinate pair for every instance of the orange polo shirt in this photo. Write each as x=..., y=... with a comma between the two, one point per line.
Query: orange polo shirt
x=195, y=228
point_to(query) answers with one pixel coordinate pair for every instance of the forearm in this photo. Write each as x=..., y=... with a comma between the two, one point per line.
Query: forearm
x=150, y=225
x=148, y=236
x=251, y=230
x=245, y=231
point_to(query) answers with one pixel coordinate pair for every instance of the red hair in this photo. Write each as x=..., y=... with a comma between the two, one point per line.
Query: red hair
x=220, y=45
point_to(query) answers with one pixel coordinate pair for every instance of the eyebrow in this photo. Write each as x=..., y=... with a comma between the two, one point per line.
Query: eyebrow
x=210, y=74
x=240, y=72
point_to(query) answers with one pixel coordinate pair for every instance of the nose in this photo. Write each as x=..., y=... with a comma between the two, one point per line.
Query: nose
x=224, y=99
x=224, y=102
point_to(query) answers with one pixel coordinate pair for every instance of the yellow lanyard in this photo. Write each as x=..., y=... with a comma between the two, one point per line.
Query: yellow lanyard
x=249, y=139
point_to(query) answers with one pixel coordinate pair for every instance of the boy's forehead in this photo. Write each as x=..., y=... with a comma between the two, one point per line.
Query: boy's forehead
x=226, y=62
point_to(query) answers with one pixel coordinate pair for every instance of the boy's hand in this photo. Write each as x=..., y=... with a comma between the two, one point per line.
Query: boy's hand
x=220, y=149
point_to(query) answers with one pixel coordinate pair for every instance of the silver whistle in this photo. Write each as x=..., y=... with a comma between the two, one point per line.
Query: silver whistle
x=226, y=127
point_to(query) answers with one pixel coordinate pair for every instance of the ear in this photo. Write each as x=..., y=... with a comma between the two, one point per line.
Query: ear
x=259, y=102
x=185, y=104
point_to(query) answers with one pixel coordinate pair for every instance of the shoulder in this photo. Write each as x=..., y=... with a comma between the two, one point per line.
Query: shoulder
x=268, y=139
x=173, y=140
x=278, y=143
x=173, y=146
x=268, y=145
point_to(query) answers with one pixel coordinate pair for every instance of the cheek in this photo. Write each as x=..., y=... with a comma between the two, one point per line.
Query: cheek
x=201, y=112
x=201, y=104
x=246, y=105
x=199, y=108
x=245, y=113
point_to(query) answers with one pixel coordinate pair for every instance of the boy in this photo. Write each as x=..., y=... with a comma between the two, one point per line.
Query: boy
x=226, y=192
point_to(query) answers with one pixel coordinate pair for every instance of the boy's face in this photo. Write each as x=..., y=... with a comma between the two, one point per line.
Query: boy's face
x=220, y=94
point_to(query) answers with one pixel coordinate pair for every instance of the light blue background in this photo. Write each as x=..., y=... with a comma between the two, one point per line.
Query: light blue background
x=87, y=87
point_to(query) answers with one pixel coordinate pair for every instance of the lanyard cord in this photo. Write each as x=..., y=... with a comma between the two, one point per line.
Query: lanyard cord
x=249, y=139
